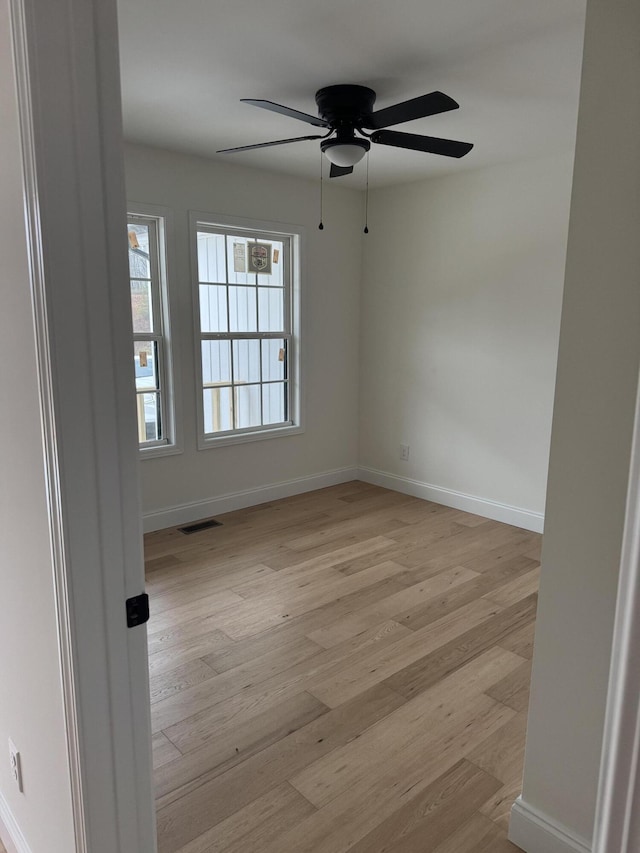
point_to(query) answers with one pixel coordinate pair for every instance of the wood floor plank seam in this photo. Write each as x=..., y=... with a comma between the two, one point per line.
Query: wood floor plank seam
x=211, y=799
x=433, y=815
x=287, y=680
x=393, y=734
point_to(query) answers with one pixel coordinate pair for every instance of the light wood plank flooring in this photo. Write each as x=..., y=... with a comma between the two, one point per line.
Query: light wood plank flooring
x=345, y=670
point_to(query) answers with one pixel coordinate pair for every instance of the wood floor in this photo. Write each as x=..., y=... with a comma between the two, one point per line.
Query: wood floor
x=345, y=670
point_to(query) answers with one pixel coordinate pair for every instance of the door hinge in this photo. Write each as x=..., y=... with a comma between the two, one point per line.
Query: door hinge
x=137, y=610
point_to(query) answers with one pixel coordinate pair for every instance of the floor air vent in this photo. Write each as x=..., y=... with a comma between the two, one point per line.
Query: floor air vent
x=200, y=525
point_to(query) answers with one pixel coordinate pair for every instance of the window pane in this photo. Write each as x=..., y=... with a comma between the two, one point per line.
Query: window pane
x=141, y=306
x=246, y=361
x=237, y=261
x=273, y=403
x=211, y=261
x=213, y=308
x=271, y=309
x=274, y=360
x=277, y=265
x=242, y=309
x=216, y=363
x=149, y=417
x=218, y=409
x=139, y=265
x=248, y=407
x=145, y=361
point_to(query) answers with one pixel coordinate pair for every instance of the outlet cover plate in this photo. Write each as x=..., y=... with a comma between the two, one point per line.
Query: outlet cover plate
x=16, y=765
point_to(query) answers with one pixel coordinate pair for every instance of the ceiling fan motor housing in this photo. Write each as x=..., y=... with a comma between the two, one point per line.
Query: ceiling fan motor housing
x=345, y=105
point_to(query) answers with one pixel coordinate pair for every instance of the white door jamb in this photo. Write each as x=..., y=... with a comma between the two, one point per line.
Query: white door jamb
x=68, y=89
x=617, y=818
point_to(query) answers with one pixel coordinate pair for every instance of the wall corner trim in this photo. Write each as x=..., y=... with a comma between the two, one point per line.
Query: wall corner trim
x=15, y=840
x=536, y=832
x=185, y=513
x=518, y=517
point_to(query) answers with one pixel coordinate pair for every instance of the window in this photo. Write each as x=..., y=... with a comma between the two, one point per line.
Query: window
x=151, y=354
x=246, y=324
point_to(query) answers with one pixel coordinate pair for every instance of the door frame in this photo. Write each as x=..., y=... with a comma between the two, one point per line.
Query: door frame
x=65, y=55
x=617, y=816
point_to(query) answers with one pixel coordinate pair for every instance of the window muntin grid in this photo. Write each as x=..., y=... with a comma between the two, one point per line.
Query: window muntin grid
x=245, y=332
x=149, y=339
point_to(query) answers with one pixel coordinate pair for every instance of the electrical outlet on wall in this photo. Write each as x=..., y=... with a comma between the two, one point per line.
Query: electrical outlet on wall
x=404, y=452
x=15, y=764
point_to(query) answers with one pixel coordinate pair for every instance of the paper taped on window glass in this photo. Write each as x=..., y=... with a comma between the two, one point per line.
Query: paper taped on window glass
x=239, y=257
x=259, y=255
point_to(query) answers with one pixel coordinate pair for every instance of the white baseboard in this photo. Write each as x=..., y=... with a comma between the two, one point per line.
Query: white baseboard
x=195, y=510
x=536, y=832
x=516, y=516
x=10, y=833
x=187, y=513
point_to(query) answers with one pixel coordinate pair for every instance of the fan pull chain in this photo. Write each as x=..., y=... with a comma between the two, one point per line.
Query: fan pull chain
x=366, y=200
x=321, y=226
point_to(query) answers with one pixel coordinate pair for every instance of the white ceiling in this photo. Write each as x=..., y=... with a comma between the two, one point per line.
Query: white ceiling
x=513, y=65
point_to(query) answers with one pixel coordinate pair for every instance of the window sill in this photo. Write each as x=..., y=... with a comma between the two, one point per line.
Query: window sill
x=208, y=442
x=159, y=450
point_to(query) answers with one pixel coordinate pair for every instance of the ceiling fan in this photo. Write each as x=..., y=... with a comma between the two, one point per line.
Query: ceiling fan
x=345, y=109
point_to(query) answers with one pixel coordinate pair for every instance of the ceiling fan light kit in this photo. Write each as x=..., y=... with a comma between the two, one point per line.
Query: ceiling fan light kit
x=345, y=153
x=344, y=109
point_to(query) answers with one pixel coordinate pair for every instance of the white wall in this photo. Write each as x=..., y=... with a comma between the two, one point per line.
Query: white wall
x=458, y=316
x=592, y=426
x=330, y=343
x=461, y=296
x=31, y=709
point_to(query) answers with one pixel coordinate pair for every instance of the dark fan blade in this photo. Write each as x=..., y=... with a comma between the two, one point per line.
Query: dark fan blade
x=286, y=111
x=339, y=171
x=425, y=105
x=430, y=144
x=267, y=144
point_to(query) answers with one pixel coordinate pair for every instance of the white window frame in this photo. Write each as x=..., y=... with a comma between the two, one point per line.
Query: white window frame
x=161, y=219
x=276, y=230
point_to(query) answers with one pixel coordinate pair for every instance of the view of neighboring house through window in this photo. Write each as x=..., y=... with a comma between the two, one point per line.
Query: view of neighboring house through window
x=145, y=237
x=245, y=320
